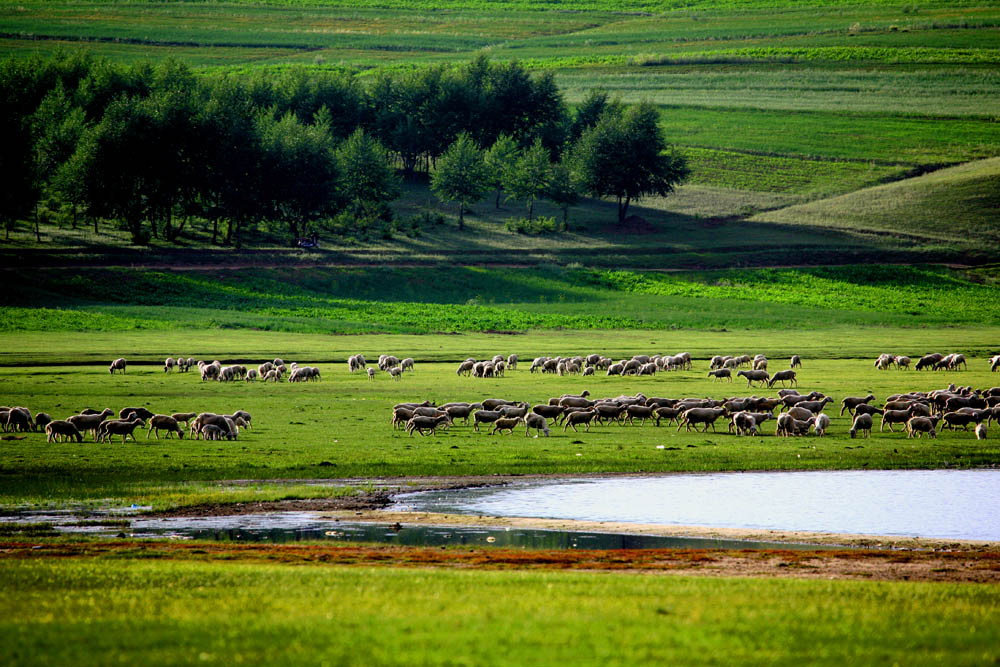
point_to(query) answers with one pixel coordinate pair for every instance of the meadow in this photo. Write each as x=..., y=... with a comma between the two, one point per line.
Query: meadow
x=160, y=611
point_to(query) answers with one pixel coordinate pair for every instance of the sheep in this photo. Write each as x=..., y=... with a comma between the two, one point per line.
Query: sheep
x=211, y=372
x=465, y=368
x=506, y=424
x=575, y=402
x=953, y=419
x=669, y=413
x=427, y=411
x=760, y=364
x=800, y=413
x=495, y=403
x=640, y=412
x=980, y=432
x=821, y=424
x=400, y=416
x=197, y=426
x=928, y=361
x=706, y=416
x=164, y=423
x=795, y=361
x=189, y=363
x=169, y=364
x=789, y=426
x=406, y=364
x=582, y=417
x=760, y=376
x=616, y=369
x=862, y=424
x=59, y=429
x=743, y=424
x=548, y=411
x=537, y=422
x=90, y=422
x=484, y=417
x=512, y=362
x=421, y=424
x=958, y=360
x=920, y=425
x=19, y=419
x=424, y=404
x=721, y=373
x=183, y=417
x=213, y=432
x=371, y=373
x=278, y=362
x=850, y=403
x=903, y=362
x=919, y=410
x=611, y=411
x=42, y=419
x=126, y=413
x=514, y=411
x=588, y=371
x=500, y=368
x=994, y=363
x=815, y=406
x=462, y=411
x=891, y=417
x=118, y=365
x=121, y=427
x=766, y=404
x=782, y=377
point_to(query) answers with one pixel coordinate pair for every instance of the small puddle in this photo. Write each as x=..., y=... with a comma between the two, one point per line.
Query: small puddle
x=290, y=527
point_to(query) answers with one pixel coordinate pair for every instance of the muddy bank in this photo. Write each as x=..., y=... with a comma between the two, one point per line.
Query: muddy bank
x=968, y=567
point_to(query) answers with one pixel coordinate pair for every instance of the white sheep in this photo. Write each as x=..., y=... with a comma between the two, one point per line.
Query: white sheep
x=118, y=365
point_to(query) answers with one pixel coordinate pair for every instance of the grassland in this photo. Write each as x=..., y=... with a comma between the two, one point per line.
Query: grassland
x=339, y=428
x=163, y=612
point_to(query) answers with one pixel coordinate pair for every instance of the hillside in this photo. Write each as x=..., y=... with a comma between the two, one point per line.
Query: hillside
x=955, y=206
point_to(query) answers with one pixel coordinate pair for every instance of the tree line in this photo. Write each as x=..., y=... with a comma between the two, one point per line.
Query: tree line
x=152, y=147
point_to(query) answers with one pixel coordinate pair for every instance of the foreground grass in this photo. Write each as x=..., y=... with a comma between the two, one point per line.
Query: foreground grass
x=125, y=610
x=339, y=428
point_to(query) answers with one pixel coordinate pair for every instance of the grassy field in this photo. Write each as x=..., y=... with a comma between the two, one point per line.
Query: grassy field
x=108, y=611
x=452, y=299
x=339, y=427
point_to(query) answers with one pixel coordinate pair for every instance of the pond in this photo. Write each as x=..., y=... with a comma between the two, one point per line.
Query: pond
x=947, y=504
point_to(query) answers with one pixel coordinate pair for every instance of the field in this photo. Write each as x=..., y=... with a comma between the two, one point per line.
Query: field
x=842, y=203
x=164, y=612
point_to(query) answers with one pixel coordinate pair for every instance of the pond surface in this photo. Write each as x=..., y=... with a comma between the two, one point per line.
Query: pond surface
x=949, y=504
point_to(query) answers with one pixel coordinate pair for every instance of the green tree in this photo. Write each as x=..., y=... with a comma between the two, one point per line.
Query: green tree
x=528, y=178
x=58, y=126
x=499, y=158
x=461, y=175
x=563, y=190
x=367, y=180
x=624, y=156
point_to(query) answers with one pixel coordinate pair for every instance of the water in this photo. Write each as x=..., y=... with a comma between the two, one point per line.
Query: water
x=288, y=527
x=947, y=504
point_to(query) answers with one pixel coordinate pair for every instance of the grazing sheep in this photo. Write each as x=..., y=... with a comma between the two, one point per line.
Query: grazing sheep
x=589, y=370
x=252, y=375
x=371, y=373
x=920, y=425
x=59, y=429
x=184, y=417
x=213, y=432
x=118, y=365
x=760, y=376
x=862, y=424
x=142, y=413
x=90, y=422
x=795, y=362
x=42, y=419
x=537, y=422
x=406, y=364
x=421, y=424
x=821, y=424
x=981, y=432
x=168, y=365
x=512, y=362
x=721, y=373
x=743, y=424
x=928, y=361
x=582, y=417
x=126, y=429
x=782, y=377
x=695, y=416
x=506, y=424
x=903, y=362
x=164, y=423
x=800, y=413
x=616, y=369
x=19, y=419
x=851, y=403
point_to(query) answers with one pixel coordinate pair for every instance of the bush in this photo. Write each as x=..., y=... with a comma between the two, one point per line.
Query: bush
x=540, y=225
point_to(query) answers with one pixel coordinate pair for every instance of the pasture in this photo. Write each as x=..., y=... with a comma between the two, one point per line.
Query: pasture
x=340, y=427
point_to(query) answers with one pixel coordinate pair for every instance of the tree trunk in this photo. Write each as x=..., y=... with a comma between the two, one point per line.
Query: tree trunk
x=461, y=215
x=38, y=236
x=215, y=229
x=565, y=218
x=498, y=198
x=95, y=225
x=531, y=209
x=229, y=232
x=623, y=208
x=74, y=215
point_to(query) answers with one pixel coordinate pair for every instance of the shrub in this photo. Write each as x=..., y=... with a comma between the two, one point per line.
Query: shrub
x=540, y=225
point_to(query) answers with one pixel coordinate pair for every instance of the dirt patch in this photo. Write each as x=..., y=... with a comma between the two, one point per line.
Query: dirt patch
x=969, y=567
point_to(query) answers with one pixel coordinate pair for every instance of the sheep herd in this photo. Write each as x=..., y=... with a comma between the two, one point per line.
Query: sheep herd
x=919, y=413
x=209, y=425
x=934, y=361
x=386, y=362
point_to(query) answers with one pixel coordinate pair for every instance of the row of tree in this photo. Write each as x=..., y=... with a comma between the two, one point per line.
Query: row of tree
x=155, y=146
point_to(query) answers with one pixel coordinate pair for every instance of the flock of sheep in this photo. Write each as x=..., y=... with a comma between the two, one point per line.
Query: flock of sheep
x=386, y=362
x=209, y=425
x=934, y=361
x=797, y=414
x=269, y=371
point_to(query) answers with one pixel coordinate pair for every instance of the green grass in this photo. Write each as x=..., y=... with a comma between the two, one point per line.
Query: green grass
x=339, y=428
x=127, y=610
x=956, y=203
x=421, y=300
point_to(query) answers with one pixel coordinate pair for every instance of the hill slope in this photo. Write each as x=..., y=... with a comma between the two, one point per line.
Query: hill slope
x=958, y=206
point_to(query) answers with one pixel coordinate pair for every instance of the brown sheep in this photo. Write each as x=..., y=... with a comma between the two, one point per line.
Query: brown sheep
x=164, y=423
x=58, y=429
x=706, y=416
x=581, y=417
x=850, y=403
x=862, y=424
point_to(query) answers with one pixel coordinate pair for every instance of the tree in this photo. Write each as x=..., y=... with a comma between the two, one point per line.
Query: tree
x=499, y=158
x=367, y=180
x=461, y=175
x=623, y=156
x=528, y=177
x=563, y=190
x=589, y=112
